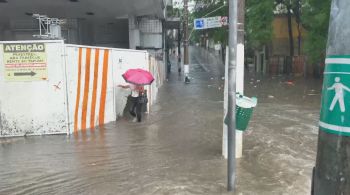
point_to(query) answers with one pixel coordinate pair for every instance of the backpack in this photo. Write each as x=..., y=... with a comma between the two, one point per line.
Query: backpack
x=142, y=99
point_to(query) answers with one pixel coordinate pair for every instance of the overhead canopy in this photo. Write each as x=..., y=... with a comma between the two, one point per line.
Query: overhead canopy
x=89, y=9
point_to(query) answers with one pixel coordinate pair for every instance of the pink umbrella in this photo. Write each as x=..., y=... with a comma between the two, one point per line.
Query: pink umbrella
x=138, y=77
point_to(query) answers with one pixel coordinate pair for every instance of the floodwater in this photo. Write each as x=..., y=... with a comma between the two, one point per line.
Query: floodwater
x=177, y=148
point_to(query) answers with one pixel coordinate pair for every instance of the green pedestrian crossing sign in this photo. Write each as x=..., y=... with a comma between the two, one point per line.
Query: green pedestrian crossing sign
x=335, y=104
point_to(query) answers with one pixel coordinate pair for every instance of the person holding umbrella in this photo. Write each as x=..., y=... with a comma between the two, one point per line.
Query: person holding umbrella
x=137, y=78
x=136, y=106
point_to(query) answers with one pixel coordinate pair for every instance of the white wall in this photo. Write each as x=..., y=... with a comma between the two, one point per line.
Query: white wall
x=157, y=69
x=239, y=89
x=134, y=37
x=151, y=40
x=145, y=32
x=87, y=96
x=122, y=61
x=35, y=107
x=151, y=32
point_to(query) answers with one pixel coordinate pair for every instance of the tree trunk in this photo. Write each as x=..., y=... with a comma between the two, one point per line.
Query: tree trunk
x=290, y=32
x=291, y=40
x=299, y=40
x=297, y=12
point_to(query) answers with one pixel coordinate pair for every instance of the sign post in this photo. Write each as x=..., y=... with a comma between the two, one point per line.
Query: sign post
x=332, y=170
x=231, y=110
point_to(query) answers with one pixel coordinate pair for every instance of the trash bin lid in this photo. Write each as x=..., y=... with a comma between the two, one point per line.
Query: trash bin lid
x=246, y=102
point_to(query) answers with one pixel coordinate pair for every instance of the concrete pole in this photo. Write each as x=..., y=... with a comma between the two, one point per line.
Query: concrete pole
x=240, y=69
x=224, y=132
x=231, y=111
x=186, y=41
x=332, y=171
x=240, y=81
x=179, y=50
x=134, y=33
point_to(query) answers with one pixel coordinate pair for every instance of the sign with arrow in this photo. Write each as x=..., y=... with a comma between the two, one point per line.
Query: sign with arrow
x=24, y=73
x=211, y=22
x=25, y=61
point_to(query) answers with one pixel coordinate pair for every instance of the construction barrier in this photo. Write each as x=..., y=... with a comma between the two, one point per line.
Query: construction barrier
x=48, y=87
x=32, y=104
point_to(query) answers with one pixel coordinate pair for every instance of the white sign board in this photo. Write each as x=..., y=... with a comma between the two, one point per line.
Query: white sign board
x=211, y=22
x=179, y=4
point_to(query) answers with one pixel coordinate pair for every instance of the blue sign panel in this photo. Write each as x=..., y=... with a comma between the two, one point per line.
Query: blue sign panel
x=199, y=23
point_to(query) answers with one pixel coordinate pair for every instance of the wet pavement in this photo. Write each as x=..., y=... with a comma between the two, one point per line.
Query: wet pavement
x=177, y=148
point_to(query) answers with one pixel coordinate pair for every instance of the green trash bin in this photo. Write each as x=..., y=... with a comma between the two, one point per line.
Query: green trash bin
x=244, y=111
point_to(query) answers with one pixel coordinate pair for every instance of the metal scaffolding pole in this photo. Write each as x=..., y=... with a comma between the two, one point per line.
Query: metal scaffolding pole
x=231, y=110
x=332, y=171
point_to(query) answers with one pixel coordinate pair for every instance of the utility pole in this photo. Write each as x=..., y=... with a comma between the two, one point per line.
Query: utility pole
x=186, y=43
x=179, y=50
x=239, y=81
x=231, y=110
x=332, y=171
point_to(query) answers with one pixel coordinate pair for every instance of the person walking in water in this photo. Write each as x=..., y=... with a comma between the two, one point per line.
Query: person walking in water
x=136, y=107
x=339, y=94
x=137, y=79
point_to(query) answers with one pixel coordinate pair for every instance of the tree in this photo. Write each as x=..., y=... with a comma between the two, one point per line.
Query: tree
x=312, y=15
x=297, y=14
x=292, y=8
x=315, y=19
x=259, y=17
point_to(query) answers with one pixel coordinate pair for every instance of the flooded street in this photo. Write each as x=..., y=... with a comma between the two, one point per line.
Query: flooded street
x=279, y=148
x=177, y=148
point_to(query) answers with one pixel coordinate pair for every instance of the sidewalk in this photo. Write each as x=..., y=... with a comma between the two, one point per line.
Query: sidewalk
x=176, y=149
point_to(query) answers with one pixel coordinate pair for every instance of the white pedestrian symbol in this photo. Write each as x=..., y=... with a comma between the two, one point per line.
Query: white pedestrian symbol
x=339, y=94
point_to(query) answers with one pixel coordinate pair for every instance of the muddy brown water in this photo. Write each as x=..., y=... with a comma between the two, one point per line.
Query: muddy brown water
x=177, y=148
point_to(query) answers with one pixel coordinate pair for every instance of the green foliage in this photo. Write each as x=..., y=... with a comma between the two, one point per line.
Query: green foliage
x=173, y=12
x=313, y=16
x=315, y=19
x=258, y=24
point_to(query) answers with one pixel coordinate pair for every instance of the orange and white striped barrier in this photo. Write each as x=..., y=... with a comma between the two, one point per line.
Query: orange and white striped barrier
x=90, y=87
